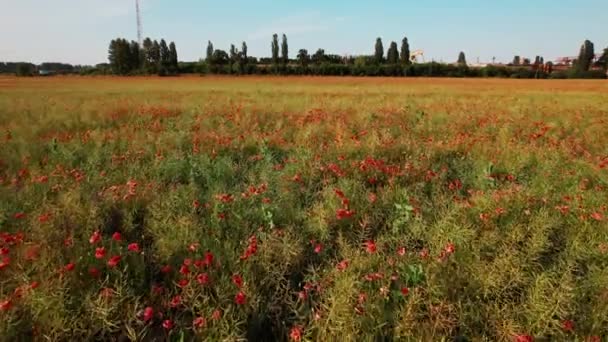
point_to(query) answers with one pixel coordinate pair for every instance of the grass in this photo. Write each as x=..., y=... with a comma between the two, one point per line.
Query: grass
x=318, y=209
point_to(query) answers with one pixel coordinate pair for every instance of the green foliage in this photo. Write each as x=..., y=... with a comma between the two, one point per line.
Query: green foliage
x=379, y=51
x=585, y=57
x=405, y=52
x=392, y=55
x=274, y=47
x=462, y=60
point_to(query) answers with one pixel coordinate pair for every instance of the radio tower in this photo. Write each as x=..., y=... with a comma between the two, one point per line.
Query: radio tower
x=139, y=30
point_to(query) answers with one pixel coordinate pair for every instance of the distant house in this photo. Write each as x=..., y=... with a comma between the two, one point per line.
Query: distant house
x=43, y=72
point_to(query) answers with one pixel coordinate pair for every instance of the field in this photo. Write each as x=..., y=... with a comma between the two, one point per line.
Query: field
x=317, y=209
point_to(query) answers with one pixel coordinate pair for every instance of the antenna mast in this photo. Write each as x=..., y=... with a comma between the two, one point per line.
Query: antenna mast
x=139, y=29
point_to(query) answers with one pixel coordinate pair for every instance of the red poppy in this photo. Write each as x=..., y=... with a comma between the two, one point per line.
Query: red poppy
x=568, y=325
x=342, y=265
x=187, y=262
x=302, y=295
x=199, y=322
x=183, y=282
x=344, y=213
x=166, y=269
x=449, y=248
x=524, y=338
x=148, y=314
x=237, y=280
x=4, y=251
x=94, y=272
x=117, y=237
x=100, y=252
x=401, y=251
x=34, y=285
x=216, y=315
x=208, y=258
x=405, y=291
x=113, y=262
x=318, y=248
x=6, y=305
x=19, y=215
x=133, y=247
x=70, y=267
x=95, y=238
x=185, y=270
x=202, y=278
x=168, y=324
x=370, y=247
x=597, y=216
x=175, y=301
x=372, y=197
x=6, y=261
x=240, y=298
x=296, y=333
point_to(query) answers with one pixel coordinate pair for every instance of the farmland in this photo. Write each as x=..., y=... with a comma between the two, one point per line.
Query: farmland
x=321, y=209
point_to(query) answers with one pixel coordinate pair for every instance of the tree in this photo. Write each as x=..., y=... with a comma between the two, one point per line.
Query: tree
x=209, y=51
x=585, y=56
x=173, y=62
x=318, y=57
x=603, y=60
x=149, y=65
x=275, y=49
x=244, y=58
x=284, y=50
x=379, y=51
x=303, y=57
x=405, y=52
x=392, y=55
x=233, y=54
x=24, y=69
x=134, y=56
x=462, y=60
x=516, y=60
x=119, y=55
x=165, y=58
x=155, y=56
x=526, y=61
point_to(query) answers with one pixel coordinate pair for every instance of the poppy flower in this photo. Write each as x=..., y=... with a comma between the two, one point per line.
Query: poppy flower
x=183, y=282
x=6, y=305
x=342, y=265
x=370, y=247
x=34, y=285
x=449, y=248
x=240, y=298
x=168, y=324
x=70, y=267
x=199, y=322
x=113, y=262
x=318, y=248
x=405, y=291
x=117, y=237
x=166, y=269
x=237, y=280
x=344, y=213
x=100, y=252
x=216, y=315
x=185, y=270
x=95, y=238
x=175, y=301
x=296, y=333
x=19, y=215
x=133, y=247
x=94, y=272
x=4, y=251
x=6, y=261
x=148, y=314
x=568, y=325
x=202, y=278
x=597, y=216
x=524, y=338
x=208, y=258
x=401, y=251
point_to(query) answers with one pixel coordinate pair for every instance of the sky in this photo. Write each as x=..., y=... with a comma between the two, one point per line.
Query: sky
x=79, y=31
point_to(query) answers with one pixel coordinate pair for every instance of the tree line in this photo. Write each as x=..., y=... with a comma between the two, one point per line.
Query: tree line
x=128, y=58
x=157, y=58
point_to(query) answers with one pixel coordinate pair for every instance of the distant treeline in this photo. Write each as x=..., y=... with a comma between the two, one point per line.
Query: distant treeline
x=160, y=58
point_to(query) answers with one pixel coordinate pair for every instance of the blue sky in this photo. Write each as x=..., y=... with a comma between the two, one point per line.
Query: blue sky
x=78, y=31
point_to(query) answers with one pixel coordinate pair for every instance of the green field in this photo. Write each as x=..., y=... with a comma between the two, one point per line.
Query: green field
x=317, y=209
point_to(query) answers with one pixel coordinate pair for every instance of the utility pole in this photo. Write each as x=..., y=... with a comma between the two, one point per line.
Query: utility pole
x=139, y=29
